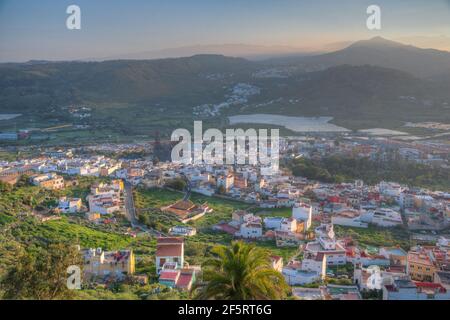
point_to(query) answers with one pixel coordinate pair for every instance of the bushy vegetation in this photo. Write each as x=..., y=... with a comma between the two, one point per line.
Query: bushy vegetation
x=41, y=274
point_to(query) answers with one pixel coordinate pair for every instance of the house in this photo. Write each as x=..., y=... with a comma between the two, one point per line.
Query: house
x=50, y=181
x=383, y=217
x=239, y=217
x=250, y=230
x=100, y=263
x=337, y=292
x=420, y=267
x=226, y=227
x=179, y=278
x=349, y=218
x=169, y=250
x=327, y=244
x=183, y=231
x=105, y=203
x=409, y=290
x=295, y=275
x=303, y=212
x=106, y=198
x=273, y=222
x=292, y=225
x=374, y=277
x=69, y=205
x=186, y=210
x=316, y=263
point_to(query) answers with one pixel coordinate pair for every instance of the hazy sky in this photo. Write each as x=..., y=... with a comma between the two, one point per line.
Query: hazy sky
x=37, y=29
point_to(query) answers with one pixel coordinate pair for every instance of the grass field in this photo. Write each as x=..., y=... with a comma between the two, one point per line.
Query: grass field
x=67, y=231
x=157, y=198
x=376, y=237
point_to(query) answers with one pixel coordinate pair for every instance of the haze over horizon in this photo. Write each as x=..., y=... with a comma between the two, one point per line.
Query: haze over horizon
x=114, y=29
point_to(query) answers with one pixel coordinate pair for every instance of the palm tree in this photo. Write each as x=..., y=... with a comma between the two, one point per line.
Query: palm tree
x=240, y=272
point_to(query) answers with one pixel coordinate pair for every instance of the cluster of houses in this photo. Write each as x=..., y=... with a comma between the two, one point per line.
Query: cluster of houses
x=423, y=272
x=419, y=274
x=172, y=270
x=171, y=267
x=104, y=199
x=387, y=204
x=286, y=231
x=107, y=198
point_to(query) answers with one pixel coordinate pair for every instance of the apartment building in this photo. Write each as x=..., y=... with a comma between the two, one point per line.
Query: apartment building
x=50, y=181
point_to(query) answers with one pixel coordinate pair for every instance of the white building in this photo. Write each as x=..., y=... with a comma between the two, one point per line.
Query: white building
x=69, y=205
x=250, y=230
x=294, y=275
x=288, y=225
x=169, y=250
x=383, y=217
x=183, y=231
x=311, y=269
x=327, y=244
x=273, y=222
x=349, y=218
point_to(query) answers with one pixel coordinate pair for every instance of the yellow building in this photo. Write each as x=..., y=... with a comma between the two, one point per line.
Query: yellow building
x=420, y=267
x=117, y=264
x=50, y=181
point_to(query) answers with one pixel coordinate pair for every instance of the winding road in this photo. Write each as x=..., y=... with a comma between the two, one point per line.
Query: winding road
x=131, y=212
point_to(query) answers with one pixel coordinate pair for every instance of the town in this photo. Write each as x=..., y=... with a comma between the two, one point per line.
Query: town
x=338, y=239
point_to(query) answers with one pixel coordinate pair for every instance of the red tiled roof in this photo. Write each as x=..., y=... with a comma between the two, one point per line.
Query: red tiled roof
x=227, y=228
x=169, y=250
x=170, y=240
x=184, y=280
x=431, y=285
x=168, y=275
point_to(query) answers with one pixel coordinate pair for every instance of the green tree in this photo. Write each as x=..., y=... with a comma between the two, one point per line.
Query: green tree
x=240, y=272
x=4, y=187
x=41, y=275
x=177, y=184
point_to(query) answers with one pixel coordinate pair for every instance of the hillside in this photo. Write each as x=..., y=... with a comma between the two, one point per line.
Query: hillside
x=384, y=53
x=32, y=85
x=359, y=93
x=373, y=83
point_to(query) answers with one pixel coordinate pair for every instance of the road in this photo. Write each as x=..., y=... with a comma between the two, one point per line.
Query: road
x=130, y=211
x=188, y=188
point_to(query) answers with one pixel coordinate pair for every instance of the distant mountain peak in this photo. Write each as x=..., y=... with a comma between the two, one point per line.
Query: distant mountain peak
x=377, y=41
